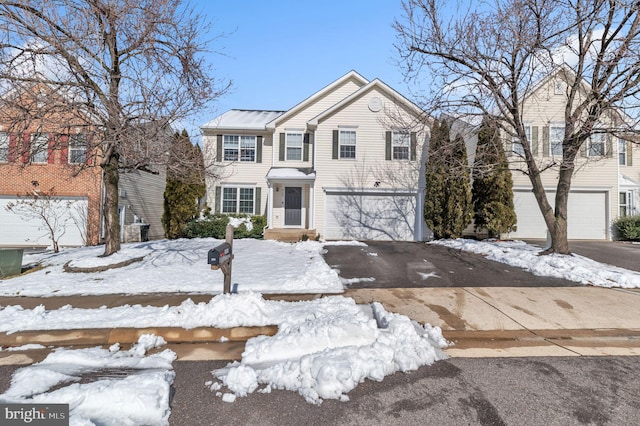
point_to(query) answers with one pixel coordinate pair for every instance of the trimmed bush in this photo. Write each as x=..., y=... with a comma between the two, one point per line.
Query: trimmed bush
x=215, y=226
x=628, y=227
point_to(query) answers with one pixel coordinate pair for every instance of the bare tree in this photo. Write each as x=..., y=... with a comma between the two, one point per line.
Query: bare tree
x=118, y=64
x=50, y=211
x=490, y=59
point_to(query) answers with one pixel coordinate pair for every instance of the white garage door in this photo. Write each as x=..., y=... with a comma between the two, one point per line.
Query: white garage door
x=67, y=215
x=364, y=216
x=587, y=215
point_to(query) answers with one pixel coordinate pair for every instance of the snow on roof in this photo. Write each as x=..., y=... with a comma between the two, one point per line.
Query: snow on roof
x=291, y=173
x=243, y=119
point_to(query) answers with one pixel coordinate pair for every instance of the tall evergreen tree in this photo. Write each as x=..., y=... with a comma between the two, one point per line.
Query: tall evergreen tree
x=492, y=184
x=184, y=185
x=447, y=207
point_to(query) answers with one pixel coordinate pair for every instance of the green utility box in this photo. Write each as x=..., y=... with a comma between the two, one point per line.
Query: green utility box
x=10, y=261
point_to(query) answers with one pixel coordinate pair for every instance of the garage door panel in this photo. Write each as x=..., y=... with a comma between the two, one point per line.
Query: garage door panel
x=370, y=217
x=67, y=215
x=587, y=215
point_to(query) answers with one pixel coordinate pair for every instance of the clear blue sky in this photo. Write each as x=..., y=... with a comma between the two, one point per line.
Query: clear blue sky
x=276, y=53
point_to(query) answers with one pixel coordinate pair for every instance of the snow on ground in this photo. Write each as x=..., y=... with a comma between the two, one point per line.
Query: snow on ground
x=179, y=266
x=569, y=267
x=86, y=379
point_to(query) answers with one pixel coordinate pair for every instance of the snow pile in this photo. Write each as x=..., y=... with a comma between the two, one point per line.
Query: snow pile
x=325, y=353
x=86, y=379
x=237, y=221
x=569, y=267
x=179, y=266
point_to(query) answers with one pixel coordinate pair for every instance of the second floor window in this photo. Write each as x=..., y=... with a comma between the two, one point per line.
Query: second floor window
x=39, y=147
x=77, y=149
x=556, y=136
x=347, y=144
x=518, y=149
x=400, y=143
x=622, y=152
x=239, y=148
x=596, y=145
x=294, y=146
x=4, y=147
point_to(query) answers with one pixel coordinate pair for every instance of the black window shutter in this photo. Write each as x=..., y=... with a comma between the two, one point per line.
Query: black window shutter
x=257, y=208
x=219, y=149
x=335, y=145
x=218, y=200
x=387, y=146
x=259, y=149
x=414, y=144
x=305, y=147
x=282, y=136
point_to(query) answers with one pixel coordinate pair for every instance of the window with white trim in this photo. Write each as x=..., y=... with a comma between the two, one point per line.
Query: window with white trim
x=622, y=152
x=4, y=147
x=517, y=144
x=294, y=146
x=39, y=147
x=556, y=136
x=347, y=143
x=239, y=148
x=77, y=149
x=596, y=145
x=238, y=200
x=624, y=201
x=400, y=144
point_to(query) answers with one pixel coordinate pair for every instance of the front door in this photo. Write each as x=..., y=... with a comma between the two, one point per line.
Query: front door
x=292, y=206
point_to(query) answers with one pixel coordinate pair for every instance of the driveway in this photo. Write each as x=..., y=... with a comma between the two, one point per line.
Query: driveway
x=384, y=264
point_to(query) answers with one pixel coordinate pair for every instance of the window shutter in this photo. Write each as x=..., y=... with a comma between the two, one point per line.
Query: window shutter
x=305, y=147
x=259, y=149
x=64, y=149
x=508, y=146
x=218, y=200
x=584, y=147
x=13, y=149
x=608, y=147
x=545, y=141
x=219, y=148
x=257, y=208
x=414, y=144
x=534, y=140
x=281, y=148
x=629, y=154
x=26, y=147
x=334, y=153
x=50, y=149
x=387, y=146
x=88, y=152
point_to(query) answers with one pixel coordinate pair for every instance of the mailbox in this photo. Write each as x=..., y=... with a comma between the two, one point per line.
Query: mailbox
x=219, y=255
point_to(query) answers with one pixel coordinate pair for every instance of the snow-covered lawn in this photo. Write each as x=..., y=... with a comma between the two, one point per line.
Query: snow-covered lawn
x=574, y=267
x=323, y=349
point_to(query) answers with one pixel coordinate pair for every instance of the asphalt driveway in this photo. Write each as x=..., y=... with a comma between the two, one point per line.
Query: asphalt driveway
x=384, y=264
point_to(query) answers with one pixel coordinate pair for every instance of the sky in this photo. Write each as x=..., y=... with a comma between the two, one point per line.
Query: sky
x=323, y=348
x=277, y=53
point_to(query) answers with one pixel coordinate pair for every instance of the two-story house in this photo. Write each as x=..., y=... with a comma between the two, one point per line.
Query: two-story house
x=606, y=183
x=345, y=163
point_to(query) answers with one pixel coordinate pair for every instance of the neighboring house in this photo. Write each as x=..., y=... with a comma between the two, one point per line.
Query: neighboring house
x=345, y=163
x=606, y=183
x=46, y=153
x=141, y=204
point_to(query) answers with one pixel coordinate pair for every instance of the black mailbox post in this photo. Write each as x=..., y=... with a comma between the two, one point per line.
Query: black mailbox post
x=221, y=256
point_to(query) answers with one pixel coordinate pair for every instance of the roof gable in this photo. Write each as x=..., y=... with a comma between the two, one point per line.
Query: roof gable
x=350, y=76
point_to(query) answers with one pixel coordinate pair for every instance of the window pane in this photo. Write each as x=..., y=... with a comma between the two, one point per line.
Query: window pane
x=556, y=136
x=231, y=148
x=294, y=146
x=77, y=149
x=229, y=200
x=246, y=200
x=596, y=145
x=247, y=148
x=622, y=152
x=4, y=147
x=347, y=144
x=39, y=148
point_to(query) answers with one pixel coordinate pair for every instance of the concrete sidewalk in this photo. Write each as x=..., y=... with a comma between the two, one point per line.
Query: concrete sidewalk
x=479, y=321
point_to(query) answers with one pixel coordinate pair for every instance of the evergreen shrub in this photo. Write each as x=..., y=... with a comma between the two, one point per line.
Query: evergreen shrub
x=628, y=227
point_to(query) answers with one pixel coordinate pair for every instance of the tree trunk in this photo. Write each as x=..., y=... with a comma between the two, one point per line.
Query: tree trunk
x=110, y=207
x=559, y=236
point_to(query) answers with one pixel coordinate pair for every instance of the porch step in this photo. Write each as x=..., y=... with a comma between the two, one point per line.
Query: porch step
x=289, y=235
